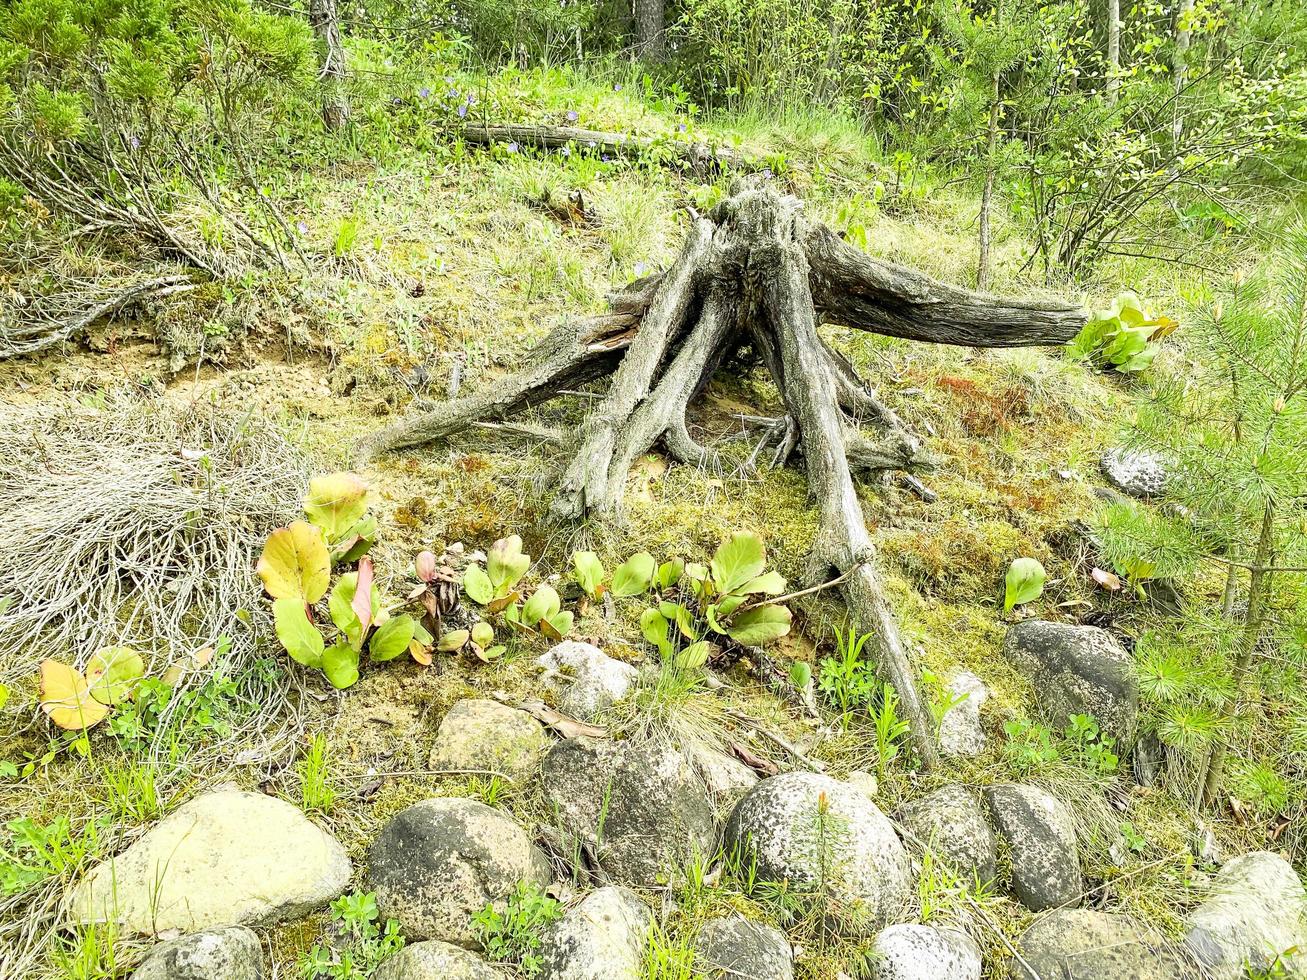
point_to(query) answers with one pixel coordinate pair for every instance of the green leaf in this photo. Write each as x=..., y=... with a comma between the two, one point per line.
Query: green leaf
x=634, y=575
x=340, y=605
x=692, y=657
x=677, y=613
x=505, y=564
x=340, y=663
x=112, y=674
x=1025, y=582
x=543, y=603
x=4, y=695
x=669, y=573
x=558, y=625
x=771, y=583
x=653, y=626
x=483, y=634
x=336, y=503
x=356, y=542
x=754, y=627
x=295, y=563
x=739, y=559
x=453, y=640
x=588, y=571
x=391, y=638
x=801, y=674
x=477, y=585
x=300, y=637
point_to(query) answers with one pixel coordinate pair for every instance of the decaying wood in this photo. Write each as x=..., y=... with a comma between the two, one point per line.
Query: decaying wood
x=756, y=274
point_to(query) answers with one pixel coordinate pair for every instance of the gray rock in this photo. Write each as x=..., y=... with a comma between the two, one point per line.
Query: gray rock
x=1257, y=912
x=1136, y=472
x=778, y=826
x=913, y=952
x=725, y=777
x=1077, y=944
x=603, y=938
x=434, y=960
x=438, y=862
x=482, y=734
x=214, y=954
x=226, y=858
x=639, y=809
x=960, y=733
x=1077, y=670
x=736, y=949
x=1041, y=835
x=951, y=823
x=585, y=679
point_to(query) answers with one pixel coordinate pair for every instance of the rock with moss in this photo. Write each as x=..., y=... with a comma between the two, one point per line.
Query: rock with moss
x=734, y=947
x=439, y=862
x=917, y=952
x=951, y=823
x=603, y=938
x=1136, y=472
x=640, y=811
x=725, y=777
x=586, y=681
x=1079, y=944
x=960, y=734
x=1257, y=913
x=1077, y=670
x=225, y=858
x=1041, y=836
x=824, y=835
x=212, y=954
x=479, y=734
x=434, y=960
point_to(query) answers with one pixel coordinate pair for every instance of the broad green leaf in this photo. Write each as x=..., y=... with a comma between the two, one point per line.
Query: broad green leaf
x=391, y=638
x=336, y=503
x=301, y=638
x=340, y=662
x=558, y=625
x=505, y=564
x=801, y=674
x=356, y=542
x=341, y=606
x=494, y=653
x=1025, y=582
x=112, y=674
x=670, y=572
x=770, y=583
x=453, y=640
x=729, y=603
x=676, y=613
x=483, y=634
x=66, y=698
x=740, y=559
x=754, y=627
x=653, y=626
x=478, y=586
x=588, y=571
x=692, y=657
x=543, y=603
x=634, y=575
x=295, y=563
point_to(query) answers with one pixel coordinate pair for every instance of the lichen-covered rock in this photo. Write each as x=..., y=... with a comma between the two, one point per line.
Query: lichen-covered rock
x=1137, y=472
x=780, y=825
x=434, y=960
x=640, y=809
x=1078, y=944
x=725, y=777
x=483, y=734
x=731, y=948
x=226, y=858
x=1257, y=912
x=915, y=952
x=960, y=733
x=603, y=938
x=1042, y=838
x=213, y=954
x=438, y=862
x=585, y=679
x=951, y=822
x=1077, y=670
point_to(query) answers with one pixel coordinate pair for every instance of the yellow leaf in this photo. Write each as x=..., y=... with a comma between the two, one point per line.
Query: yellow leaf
x=66, y=698
x=336, y=503
x=295, y=563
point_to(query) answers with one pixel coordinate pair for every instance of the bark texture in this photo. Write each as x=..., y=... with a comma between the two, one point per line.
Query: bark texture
x=755, y=274
x=325, y=21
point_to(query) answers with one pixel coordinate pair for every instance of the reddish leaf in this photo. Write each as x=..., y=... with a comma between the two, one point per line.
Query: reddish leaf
x=363, y=595
x=426, y=566
x=1106, y=579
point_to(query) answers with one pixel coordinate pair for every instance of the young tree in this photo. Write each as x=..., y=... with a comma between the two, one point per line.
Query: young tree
x=1113, y=50
x=325, y=21
x=1234, y=427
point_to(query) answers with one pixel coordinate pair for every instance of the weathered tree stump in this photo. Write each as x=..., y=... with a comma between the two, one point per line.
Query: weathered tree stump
x=754, y=273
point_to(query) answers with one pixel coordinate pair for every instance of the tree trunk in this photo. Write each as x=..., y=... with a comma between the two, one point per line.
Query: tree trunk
x=1180, y=68
x=1113, y=50
x=650, y=33
x=984, y=272
x=325, y=21
x=755, y=273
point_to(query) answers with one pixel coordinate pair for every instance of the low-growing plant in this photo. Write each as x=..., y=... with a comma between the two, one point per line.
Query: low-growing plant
x=514, y=935
x=32, y=852
x=847, y=681
x=366, y=942
x=888, y=726
x=1029, y=745
x=1091, y=745
x=1123, y=337
x=1023, y=583
x=77, y=701
x=632, y=577
x=317, y=790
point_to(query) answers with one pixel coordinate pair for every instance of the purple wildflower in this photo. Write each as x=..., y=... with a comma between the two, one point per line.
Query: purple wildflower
x=572, y=115
x=302, y=227
x=512, y=147
x=640, y=268
x=617, y=87
x=424, y=93
x=604, y=157
x=681, y=128
x=462, y=111
x=567, y=151
x=135, y=142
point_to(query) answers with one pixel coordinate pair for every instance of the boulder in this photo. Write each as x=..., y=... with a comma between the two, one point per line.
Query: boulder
x=951, y=822
x=779, y=826
x=1136, y=472
x=1077, y=944
x=213, y=954
x=640, y=809
x=482, y=734
x=434, y=960
x=914, y=952
x=725, y=777
x=585, y=679
x=1042, y=839
x=1257, y=911
x=439, y=862
x=603, y=938
x=736, y=949
x=226, y=858
x=960, y=733
x=1077, y=670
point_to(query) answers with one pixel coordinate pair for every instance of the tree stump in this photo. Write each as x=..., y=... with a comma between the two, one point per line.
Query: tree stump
x=755, y=273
